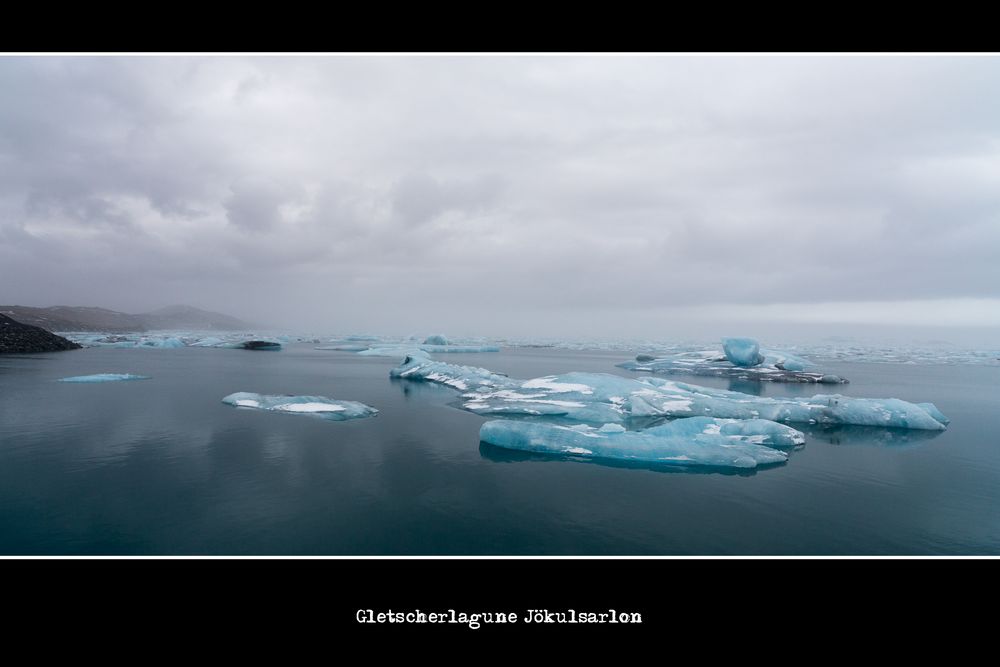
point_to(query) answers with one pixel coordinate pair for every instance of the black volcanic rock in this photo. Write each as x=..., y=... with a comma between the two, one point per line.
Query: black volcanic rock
x=264, y=345
x=17, y=338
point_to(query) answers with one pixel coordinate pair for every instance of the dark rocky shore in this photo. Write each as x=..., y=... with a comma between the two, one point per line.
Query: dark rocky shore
x=17, y=338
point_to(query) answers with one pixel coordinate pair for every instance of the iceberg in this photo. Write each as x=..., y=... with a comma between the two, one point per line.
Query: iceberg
x=210, y=341
x=320, y=406
x=459, y=348
x=934, y=412
x=785, y=361
x=604, y=398
x=105, y=377
x=401, y=351
x=398, y=351
x=696, y=441
x=742, y=358
x=744, y=352
x=169, y=343
x=436, y=339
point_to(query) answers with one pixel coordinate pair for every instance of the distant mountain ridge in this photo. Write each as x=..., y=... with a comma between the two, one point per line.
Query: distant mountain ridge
x=89, y=318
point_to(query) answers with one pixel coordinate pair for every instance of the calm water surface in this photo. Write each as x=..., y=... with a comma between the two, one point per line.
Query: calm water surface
x=163, y=467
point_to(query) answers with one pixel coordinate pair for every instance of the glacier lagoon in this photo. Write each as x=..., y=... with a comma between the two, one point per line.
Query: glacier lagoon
x=163, y=467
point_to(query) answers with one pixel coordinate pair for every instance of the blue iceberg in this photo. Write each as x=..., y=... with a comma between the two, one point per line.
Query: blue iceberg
x=320, y=406
x=825, y=409
x=744, y=352
x=436, y=339
x=934, y=412
x=742, y=358
x=785, y=361
x=104, y=377
x=697, y=441
x=603, y=398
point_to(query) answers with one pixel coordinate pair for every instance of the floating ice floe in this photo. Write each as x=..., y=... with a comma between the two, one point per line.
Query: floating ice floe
x=105, y=377
x=459, y=348
x=604, y=398
x=397, y=351
x=436, y=339
x=320, y=406
x=168, y=343
x=740, y=358
x=695, y=441
x=400, y=351
x=208, y=341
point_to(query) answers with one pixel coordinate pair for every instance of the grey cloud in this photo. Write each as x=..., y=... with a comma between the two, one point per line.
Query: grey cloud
x=509, y=185
x=419, y=198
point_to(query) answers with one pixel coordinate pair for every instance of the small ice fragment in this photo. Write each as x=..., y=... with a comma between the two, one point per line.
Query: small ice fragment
x=321, y=406
x=104, y=377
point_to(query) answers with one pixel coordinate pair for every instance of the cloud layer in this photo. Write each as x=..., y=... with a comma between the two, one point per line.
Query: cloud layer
x=511, y=193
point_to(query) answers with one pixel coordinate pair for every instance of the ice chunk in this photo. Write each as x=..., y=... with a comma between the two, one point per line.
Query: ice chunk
x=460, y=348
x=744, y=352
x=327, y=408
x=105, y=377
x=169, y=343
x=819, y=409
x=785, y=361
x=776, y=366
x=934, y=412
x=696, y=441
x=397, y=351
x=760, y=431
x=603, y=398
x=209, y=341
x=436, y=339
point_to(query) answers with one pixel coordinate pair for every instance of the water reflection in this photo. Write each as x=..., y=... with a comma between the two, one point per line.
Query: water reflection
x=412, y=389
x=752, y=387
x=870, y=436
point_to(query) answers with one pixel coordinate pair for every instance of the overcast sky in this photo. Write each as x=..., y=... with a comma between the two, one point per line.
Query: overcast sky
x=553, y=196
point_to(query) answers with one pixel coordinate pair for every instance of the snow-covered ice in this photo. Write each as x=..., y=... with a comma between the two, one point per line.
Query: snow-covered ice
x=741, y=358
x=321, y=406
x=604, y=398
